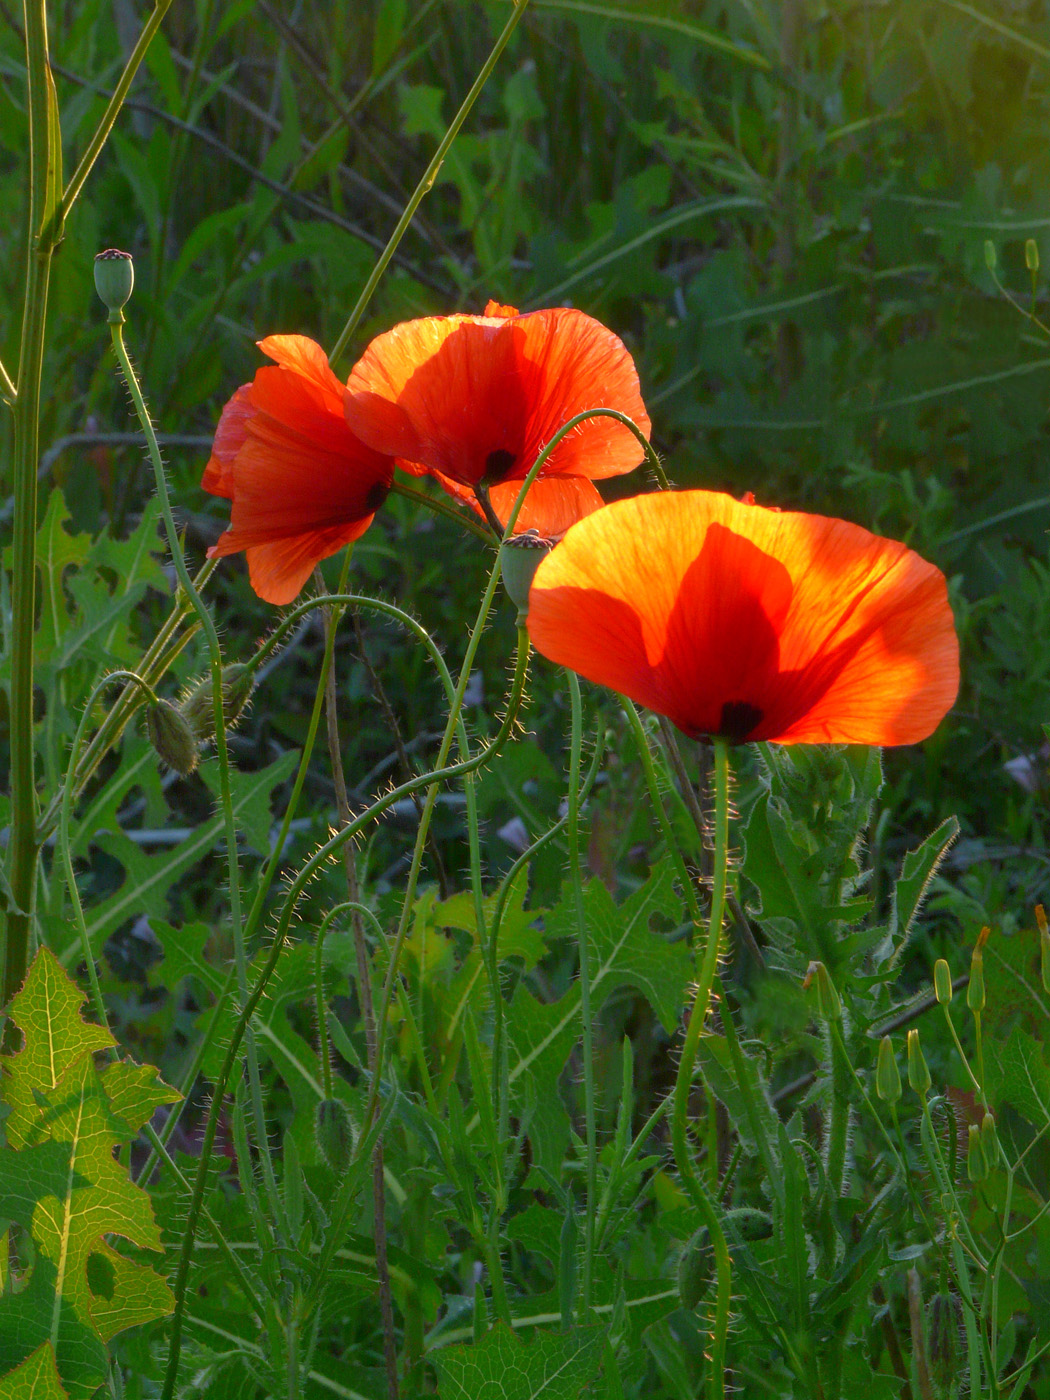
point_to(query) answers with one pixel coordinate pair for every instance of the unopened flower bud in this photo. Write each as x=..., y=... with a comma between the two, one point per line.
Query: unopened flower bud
x=942, y=982
x=197, y=704
x=829, y=1006
x=171, y=737
x=694, y=1269
x=990, y=258
x=976, y=1161
x=519, y=558
x=918, y=1070
x=114, y=277
x=975, y=997
x=1031, y=255
x=335, y=1133
x=989, y=1140
x=887, y=1075
x=1044, y=946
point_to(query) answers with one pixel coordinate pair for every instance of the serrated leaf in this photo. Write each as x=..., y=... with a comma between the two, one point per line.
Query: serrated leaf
x=48, y=1011
x=36, y=1378
x=28, y=1176
x=500, y=1367
x=1018, y=1074
x=624, y=952
x=80, y=1291
x=917, y=870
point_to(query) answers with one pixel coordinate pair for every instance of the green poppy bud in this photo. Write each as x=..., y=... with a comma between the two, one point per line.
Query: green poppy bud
x=829, y=1006
x=942, y=982
x=975, y=997
x=695, y=1267
x=918, y=1070
x=197, y=707
x=335, y=1133
x=114, y=277
x=171, y=737
x=976, y=1161
x=989, y=1140
x=519, y=558
x=887, y=1075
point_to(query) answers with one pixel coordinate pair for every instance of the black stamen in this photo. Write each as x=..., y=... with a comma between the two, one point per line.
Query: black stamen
x=739, y=718
x=498, y=464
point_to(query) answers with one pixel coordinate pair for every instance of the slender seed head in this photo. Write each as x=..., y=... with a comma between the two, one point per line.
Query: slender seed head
x=942, y=982
x=990, y=258
x=976, y=1161
x=887, y=1075
x=114, y=277
x=975, y=996
x=829, y=1006
x=918, y=1070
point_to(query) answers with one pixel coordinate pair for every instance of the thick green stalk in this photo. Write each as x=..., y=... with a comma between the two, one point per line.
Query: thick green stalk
x=429, y=176
x=590, y=1126
x=44, y=137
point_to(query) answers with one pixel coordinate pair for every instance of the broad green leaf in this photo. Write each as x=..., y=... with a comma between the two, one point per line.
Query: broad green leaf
x=1018, y=1074
x=80, y=1291
x=48, y=1010
x=26, y=1177
x=500, y=1367
x=36, y=1378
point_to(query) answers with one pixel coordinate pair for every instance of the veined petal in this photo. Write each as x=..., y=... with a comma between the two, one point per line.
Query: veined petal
x=756, y=624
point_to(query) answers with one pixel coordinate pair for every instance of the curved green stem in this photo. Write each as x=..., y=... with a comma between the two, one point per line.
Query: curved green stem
x=427, y=180
x=437, y=505
x=582, y=934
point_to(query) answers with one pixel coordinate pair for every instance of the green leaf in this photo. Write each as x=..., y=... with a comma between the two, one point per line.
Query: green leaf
x=26, y=1177
x=918, y=869
x=1018, y=1074
x=500, y=1367
x=80, y=1291
x=624, y=952
x=36, y=1378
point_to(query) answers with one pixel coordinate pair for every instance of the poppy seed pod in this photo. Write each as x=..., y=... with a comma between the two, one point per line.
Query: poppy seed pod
x=114, y=277
x=519, y=558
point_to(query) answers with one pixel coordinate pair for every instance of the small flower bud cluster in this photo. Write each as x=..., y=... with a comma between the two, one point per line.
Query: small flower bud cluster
x=177, y=731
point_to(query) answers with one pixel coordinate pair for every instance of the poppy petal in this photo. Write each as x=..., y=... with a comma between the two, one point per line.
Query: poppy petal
x=478, y=398
x=757, y=624
x=229, y=439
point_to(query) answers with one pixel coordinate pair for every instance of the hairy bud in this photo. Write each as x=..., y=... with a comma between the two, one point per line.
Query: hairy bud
x=918, y=1070
x=171, y=737
x=887, y=1075
x=199, y=711
x=335, y=1133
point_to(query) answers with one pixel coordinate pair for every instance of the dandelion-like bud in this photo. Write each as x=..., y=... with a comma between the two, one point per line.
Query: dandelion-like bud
x=197, y=707
x=989, y=1140
x=829, y=1006
x=694, y=1269
x=975, y=997
x=942, y=982
x=918, y=1070
x=1044, y=945
x=171, y=737
x=335, y=1133
x=976, y=1161
x=114, y=277
x=519, y=558
x=887, y=1075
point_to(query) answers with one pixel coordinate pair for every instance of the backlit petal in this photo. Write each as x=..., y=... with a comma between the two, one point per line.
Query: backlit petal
x=758, y=624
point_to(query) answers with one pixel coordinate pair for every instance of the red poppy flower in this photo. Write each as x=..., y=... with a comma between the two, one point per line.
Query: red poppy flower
x=749, y=623
x=475, y=399
x=302, y=484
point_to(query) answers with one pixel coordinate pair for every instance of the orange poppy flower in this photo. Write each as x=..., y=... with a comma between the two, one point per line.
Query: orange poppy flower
x=474, y=400
x=749, y=623
x=301, y=483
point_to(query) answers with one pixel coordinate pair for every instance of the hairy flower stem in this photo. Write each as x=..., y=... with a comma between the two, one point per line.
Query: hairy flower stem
x=364, y=976
x=582, y=934
x=707, y=966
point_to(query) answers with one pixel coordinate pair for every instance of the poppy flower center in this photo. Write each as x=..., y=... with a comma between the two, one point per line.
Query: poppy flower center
x=739, y=718
x=498, y=464
x=377, y=494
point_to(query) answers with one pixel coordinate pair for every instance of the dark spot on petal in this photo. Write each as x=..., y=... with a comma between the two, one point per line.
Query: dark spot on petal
x=498, y=464
x=377, y=494
x=739, y=718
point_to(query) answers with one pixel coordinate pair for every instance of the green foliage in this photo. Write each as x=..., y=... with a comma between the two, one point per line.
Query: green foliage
x=501, y=1366
x=67, y=1193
